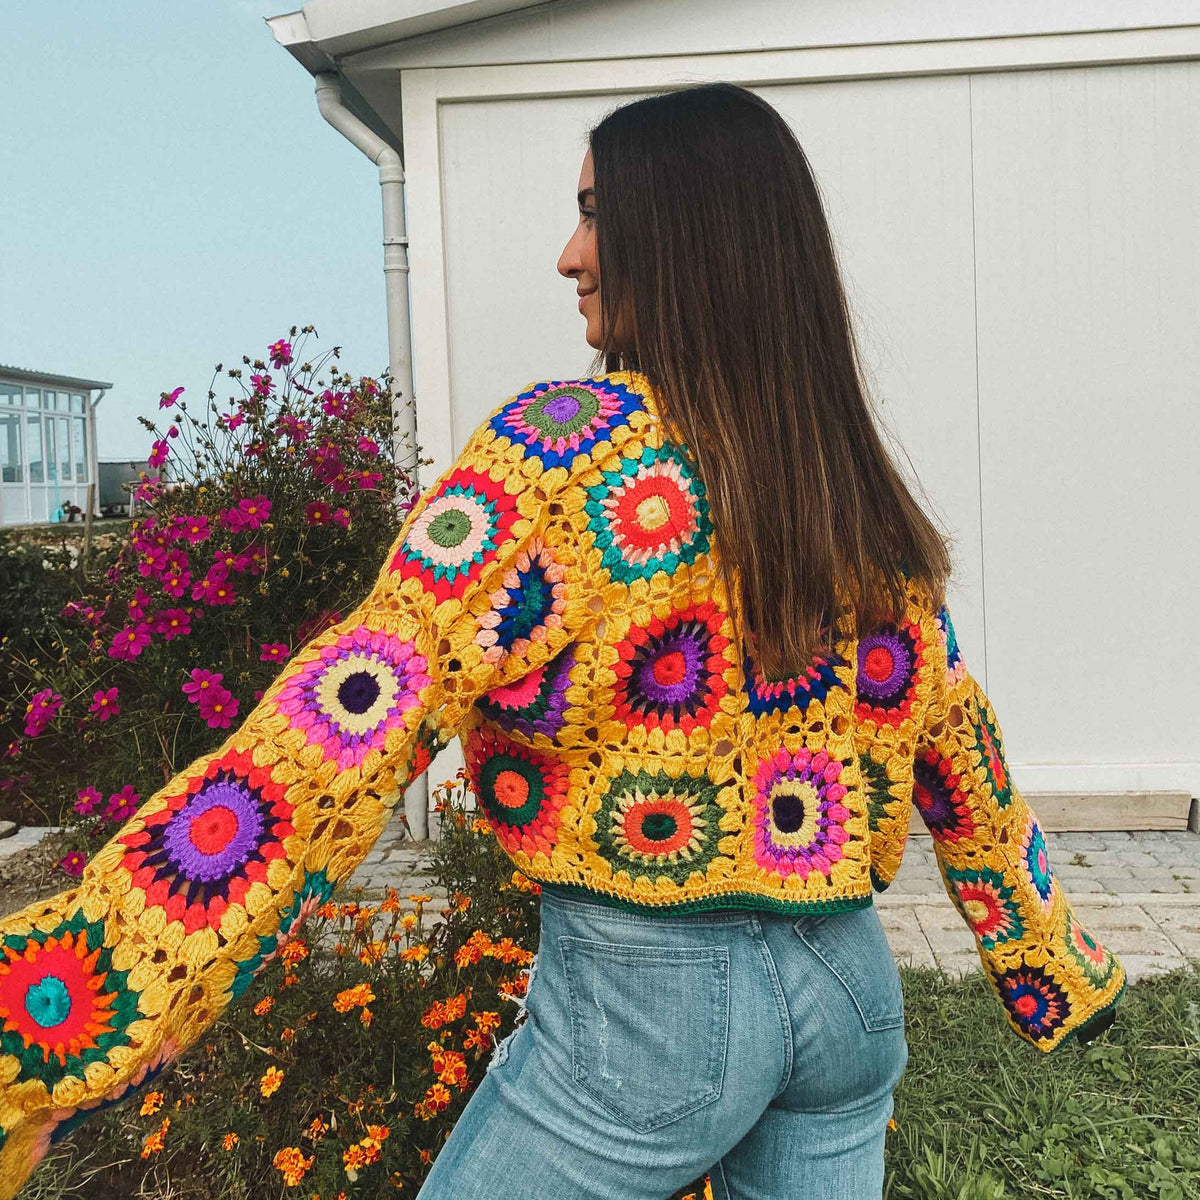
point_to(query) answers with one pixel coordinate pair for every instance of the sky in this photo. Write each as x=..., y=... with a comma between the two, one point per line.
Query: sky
x=173, y=199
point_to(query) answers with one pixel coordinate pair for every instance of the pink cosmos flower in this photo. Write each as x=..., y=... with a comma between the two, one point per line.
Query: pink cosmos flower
x=169, y=398
x=253, y=559
x=367, y=479
x=368, y=447
x=231, y=421
x=294, y=428
x=158, y=454
x=137, y=606
x=87, y=799
x=368, y=387
x=263, y=386
x=280, y=353
x=105, y=704
x=273, y=652
x=218, y=708
x=73, y=862
x=342, y=517
x=192, y=529
x=130, y=641
x=175, y=583
x=251, y=513
x=173, y=623
x=151, y=561
x=123, y=804
x=41, y=710
x=201, y=682
x=317, y=513
x=225, y=558
x=215, y=587
x=333, y=404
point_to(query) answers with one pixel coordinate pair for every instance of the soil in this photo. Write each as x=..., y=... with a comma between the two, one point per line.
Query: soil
x=29, y=875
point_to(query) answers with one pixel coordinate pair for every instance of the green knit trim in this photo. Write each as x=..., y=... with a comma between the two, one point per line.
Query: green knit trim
x=740, y=900
x=1070, y=1037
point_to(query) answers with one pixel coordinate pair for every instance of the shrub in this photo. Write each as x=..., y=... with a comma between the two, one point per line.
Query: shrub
x=267, y=518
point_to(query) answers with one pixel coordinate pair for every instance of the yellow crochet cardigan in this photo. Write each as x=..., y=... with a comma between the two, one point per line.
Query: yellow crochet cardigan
x=552, y=600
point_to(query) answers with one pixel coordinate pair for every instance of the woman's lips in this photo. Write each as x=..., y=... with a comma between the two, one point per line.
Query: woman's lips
x=583, y=298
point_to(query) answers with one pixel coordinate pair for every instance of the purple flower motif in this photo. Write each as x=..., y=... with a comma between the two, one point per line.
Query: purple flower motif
x=173, y=623
x=356, y=691
x=41, y=710
x=280, y=353
x=130, y=641
x=87, y=799
x=123, y=804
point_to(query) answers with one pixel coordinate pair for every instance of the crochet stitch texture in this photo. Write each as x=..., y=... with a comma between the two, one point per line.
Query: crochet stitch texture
x=553, y=600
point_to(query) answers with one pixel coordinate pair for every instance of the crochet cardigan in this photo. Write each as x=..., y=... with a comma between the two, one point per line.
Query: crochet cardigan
x=552, y=600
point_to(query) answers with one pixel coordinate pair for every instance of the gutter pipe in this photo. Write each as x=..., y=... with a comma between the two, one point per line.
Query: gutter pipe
x=395, y=276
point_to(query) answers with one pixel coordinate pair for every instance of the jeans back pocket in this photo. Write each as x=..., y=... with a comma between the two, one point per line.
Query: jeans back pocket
x=855, y=948
x=649, y=1026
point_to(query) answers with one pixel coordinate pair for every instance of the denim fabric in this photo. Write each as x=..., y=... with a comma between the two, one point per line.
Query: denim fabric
x=761, y=1047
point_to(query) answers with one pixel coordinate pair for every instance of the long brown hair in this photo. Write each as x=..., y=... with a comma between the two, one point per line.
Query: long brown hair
x=714, y=247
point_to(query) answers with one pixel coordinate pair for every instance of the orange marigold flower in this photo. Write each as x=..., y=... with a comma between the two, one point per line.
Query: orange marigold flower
x=378, y=1132
x=422, y=1110
x=359, y=994
x=286, y=1033
x=481, y=941
x=420, y=899
x=480, y=825
x=154, y=1141
x=426, y=1156
x=349, y=909
x=371, y=1149
x=417, y=953
x=328, y=911
x=437, y=1097
x=151, y=1103
x=295, y=951
x=464, y=956
x=264, y=1006
x=434, y=1017
x=372, y=953
x=317, y=1128
x=292, y=1164
x=408, y=920
x=230, y=1140
x=392, y=903
x=487, y=1021
x=289, y=979
x=462, y=901
x=365, y=1016
x=456, y=1006
x=353, y=1157
x=476, y=1039
x=269, y=1083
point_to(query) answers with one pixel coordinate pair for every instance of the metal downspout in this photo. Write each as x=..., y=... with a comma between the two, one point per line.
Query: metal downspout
x=395, y=276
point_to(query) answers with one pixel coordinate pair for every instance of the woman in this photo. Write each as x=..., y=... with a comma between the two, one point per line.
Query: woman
x=691, y=627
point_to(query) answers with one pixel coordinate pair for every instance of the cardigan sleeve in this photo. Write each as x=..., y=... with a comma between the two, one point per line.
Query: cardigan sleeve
x=103, y=985
x=1053, y=978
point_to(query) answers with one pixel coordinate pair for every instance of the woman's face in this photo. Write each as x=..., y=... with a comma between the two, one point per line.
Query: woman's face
x=579, y=261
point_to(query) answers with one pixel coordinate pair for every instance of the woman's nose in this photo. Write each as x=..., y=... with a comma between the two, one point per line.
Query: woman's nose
x=568, y=261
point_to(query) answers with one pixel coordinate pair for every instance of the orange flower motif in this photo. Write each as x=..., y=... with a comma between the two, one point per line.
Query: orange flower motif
x=462, y=901
x=292, y=1164
x=151, y=1103
x=371, y=1149
x=480, y=825
x=392, y=903
x=269, y=1083
x=154, y=1141
x=476, y=1039
x=264, y=1006
x=408, y=920
x=230, y=1140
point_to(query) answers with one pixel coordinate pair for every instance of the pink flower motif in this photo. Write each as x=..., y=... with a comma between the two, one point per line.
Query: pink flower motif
x=294, y=428
x=137, y=606
x=130, y=641
x=201, y=682
x=123, y=804
x=169, y=398
x=317, y=513
x=173, y=623
x=218, y=708
x=367, y=479
x=368, y=447
x=41, y=710
x=87, y=799
x=273, y=652
x=73, y=862
x=105, y=704
x=158, y=454
x=342, y=517
x=280, y=353
x=192, y=529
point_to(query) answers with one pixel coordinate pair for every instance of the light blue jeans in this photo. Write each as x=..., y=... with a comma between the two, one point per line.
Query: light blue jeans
x=760, y=1047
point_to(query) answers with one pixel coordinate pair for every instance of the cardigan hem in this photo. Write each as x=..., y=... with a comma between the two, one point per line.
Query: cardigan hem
x=737, y=900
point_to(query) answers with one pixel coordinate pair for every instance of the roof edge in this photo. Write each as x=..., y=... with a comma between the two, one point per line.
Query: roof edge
x=21, y=375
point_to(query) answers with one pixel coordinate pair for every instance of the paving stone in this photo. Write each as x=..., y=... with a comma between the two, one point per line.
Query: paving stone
x=1127, y=929
x=7, y=828
x=1181, y=924
x=1145, y=966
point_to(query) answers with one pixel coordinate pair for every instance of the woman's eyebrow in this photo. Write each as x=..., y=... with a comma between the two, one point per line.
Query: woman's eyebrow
x=584, y=196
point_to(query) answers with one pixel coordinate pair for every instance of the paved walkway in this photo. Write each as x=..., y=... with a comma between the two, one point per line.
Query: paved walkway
x=1139, y=893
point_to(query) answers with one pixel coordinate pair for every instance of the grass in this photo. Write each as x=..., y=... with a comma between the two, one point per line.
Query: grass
x=981, y=1115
